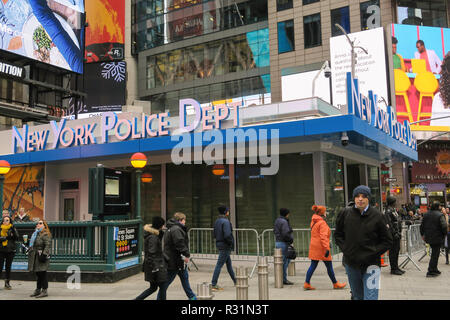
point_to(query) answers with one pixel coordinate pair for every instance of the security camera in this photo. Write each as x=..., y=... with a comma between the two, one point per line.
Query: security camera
x=344, y=139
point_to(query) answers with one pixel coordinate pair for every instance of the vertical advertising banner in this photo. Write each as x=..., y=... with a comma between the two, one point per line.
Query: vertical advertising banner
x=105, y=34
x=370, y=69
x=48, y=31
x=421, y=67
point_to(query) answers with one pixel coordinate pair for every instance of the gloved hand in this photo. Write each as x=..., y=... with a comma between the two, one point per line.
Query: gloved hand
x=327, y=253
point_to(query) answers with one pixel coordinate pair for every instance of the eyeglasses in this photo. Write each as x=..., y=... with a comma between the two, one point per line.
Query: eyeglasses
x=40, y=223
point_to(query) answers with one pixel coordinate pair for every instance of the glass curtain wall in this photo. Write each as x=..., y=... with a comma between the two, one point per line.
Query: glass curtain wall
x=334, y=186
x=162, y=22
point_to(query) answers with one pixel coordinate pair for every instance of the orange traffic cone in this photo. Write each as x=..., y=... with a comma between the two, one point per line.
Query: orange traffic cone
x=382, y=261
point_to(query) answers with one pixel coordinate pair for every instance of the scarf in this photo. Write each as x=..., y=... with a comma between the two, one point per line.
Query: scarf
x=34, y=236
x=4, y=233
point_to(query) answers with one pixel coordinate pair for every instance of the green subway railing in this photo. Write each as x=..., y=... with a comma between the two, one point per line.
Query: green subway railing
x=81, y=242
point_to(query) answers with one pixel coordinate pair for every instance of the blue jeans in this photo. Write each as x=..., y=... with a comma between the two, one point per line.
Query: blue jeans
x=283, y=246
x=224, y=257
x=312, y=268
x=364, y=284
x=184, y=278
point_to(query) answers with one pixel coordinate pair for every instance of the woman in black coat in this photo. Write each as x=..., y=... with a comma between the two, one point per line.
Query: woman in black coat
x=155, y=267
x=8, y=238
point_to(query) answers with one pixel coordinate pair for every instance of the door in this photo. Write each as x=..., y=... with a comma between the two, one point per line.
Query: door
x=69, y=208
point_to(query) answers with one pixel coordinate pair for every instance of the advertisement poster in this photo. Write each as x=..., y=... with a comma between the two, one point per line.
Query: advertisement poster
x=48, y=31
x=126, y=240
x=434, y=163
x=105, y=33
x=24, y=187
x=421, y=66
x=370, y=68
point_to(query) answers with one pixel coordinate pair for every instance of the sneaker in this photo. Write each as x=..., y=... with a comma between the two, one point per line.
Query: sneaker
x=193, y=298
x=339, y=285
x=288, y=283
x=396, y=272
x=384, y=265
x=217, y=288
x=307, y=286
x=432, y=275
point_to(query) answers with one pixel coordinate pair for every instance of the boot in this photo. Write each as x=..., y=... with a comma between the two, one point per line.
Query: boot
x=307, y=286
x=36, y=292
x=339, y=285
x=7, y=285
x=42, y=294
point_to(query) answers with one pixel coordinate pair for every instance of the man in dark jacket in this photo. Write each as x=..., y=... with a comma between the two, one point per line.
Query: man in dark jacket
x=176, y=252
x=395, y=227
x=223, y=233
x=363, y=236
x=283, y=238
x=433, y=230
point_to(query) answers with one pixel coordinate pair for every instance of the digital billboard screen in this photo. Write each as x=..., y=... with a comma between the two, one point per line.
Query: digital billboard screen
x=421, y=67
x=105, y=33
x=49, y=31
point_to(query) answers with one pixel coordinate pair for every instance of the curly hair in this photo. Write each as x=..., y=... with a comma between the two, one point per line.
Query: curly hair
x=444, y=83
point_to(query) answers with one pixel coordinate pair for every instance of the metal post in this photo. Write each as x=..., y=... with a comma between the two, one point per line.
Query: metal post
x=241, y=283
x=263, y=278
x=138, y=212
x=204, y=291
x=291, y=268
x=2, y=180
x=278, y=266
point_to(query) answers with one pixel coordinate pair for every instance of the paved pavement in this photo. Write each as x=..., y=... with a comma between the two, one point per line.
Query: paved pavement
x=413, y=285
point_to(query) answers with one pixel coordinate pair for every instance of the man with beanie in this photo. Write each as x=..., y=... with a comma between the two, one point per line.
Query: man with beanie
x=223, y=233
x=363, y=236
x=395, y=227
x=283, y=238
x=433, y=230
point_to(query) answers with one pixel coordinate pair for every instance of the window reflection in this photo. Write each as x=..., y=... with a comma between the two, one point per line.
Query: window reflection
x=423, y=13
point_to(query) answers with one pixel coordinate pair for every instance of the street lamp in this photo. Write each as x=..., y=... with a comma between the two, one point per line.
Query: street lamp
x=138, y=161
x=4, y=169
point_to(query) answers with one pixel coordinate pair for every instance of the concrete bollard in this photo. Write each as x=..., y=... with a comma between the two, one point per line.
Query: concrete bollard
x=204, y=291
x=291, y=269
x=263, y=278
x=241, y=283
x=278, y=267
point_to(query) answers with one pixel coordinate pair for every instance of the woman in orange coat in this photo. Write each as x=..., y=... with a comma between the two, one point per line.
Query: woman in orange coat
x=319, y=248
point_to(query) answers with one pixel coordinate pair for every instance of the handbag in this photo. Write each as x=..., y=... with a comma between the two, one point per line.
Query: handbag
x=291, y=253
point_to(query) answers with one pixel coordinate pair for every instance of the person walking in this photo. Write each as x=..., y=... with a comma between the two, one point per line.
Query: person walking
x=39, y=257
x=176, y=253
x=223, y=233
x=447, y=238
x=8, y=238
x=155, y=266
x=319, y=248
x=283, y=238
x=395, y=227
x=433, y=230
x=363, y=236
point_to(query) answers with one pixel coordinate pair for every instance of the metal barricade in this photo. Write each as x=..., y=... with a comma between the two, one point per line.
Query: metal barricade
x=202, y=245
x=414, y=245
x=302, y=239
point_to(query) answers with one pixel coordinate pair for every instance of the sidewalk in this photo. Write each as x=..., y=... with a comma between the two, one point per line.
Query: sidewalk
x=413, y=285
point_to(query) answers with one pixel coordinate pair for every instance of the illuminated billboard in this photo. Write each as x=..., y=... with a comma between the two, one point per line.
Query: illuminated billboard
x=421, y=67
x=370, y=68
x=48, y=31
x=105, y=33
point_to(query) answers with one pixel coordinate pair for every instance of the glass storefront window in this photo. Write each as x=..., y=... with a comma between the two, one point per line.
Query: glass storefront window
x=373, y=178
x=197, y=192
x=286, y=41
x=334, y=186
x=432, y=13
x=312, y=31
x=151, y=194
x=284, y=4
x=342, y=17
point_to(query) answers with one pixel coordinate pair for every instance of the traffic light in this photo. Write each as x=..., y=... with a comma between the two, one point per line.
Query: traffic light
x=397, y=190
x=339, y=167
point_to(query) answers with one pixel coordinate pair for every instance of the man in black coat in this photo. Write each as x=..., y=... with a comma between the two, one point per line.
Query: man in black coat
x=283, y=238
x=176, y=252
x=362, y=235
x=223, y=233
x=395, y=227
x=433, y=230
